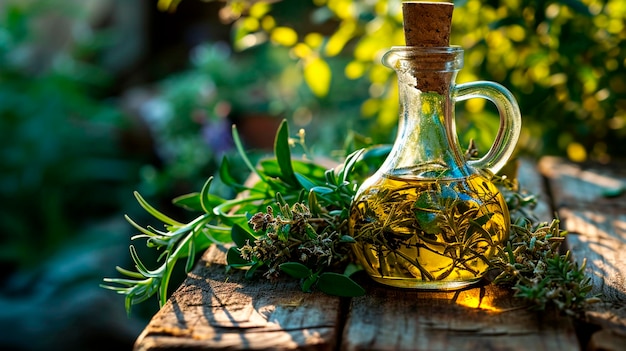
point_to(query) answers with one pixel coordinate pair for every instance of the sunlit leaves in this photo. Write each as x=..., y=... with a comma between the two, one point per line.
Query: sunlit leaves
x=302, y=51
x=344, y=9
x=355, y=70
x=537, y=49
x=576, y=152
x=314, y=40
x=268, y=23
x=284, y=36
x=259, y=9
x=367, y=48
x=317, y=75
x=168, y=5
x=338, y=40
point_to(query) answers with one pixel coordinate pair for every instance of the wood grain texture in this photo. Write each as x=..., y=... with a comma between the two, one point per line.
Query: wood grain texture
x=531, y=182
x=480, y=318
x=597, y=233
x=215, y=310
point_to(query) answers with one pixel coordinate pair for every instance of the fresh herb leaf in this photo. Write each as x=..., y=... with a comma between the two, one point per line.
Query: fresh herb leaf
x=233, y=256
x=241, y=236
x=296, y=270
x=339, y=285
x=282, y=150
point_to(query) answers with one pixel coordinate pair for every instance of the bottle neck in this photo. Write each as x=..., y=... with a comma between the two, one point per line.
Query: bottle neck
x=426, y=145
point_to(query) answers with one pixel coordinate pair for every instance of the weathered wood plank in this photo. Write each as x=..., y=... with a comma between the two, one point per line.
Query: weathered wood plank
x=580, y=186
x=531, y=181
x=597, y=226
x=215, y=310
x=481, y=318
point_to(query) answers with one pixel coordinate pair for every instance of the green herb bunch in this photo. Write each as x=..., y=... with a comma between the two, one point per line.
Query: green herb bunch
x=310, y=203
x=306, y=239
x=293, y=219
x=531, y=262
x=306, y=244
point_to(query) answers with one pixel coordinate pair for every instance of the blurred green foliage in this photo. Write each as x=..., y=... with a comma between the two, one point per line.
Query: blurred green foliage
x=190, y=112
x=62, y=165
x=563, y=60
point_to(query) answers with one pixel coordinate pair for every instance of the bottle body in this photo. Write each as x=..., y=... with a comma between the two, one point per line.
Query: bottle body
x=428, y=233
x=429, y=218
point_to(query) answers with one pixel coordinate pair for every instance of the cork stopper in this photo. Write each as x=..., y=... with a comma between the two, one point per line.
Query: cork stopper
x=427, y=24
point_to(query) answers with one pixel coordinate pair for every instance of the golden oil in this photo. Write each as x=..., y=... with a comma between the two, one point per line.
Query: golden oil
x=428, y=233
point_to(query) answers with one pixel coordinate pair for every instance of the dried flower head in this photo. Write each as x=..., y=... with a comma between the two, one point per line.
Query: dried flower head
x=294, y=235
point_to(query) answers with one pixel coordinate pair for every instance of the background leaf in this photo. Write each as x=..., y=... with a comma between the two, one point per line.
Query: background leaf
x=317, y=75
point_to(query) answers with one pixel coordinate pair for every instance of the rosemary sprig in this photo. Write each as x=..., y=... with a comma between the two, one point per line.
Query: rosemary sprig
x=177, y=241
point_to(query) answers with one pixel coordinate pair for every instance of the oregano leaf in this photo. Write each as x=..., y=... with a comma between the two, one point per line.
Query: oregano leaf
x=241, y=236
x=234, y=259
x=296, y=269
x=339, y=285
x=308, y=282
x=250, y=273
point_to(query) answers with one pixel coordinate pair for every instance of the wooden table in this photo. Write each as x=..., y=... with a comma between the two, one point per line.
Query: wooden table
x=213, y=310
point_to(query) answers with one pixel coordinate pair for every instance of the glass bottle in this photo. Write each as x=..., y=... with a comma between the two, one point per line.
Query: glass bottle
x=429, y=218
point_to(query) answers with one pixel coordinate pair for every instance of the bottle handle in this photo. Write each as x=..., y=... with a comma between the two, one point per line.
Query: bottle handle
x=510, y=121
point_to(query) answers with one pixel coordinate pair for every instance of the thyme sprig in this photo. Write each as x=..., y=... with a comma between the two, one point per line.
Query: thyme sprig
x=531, y=262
